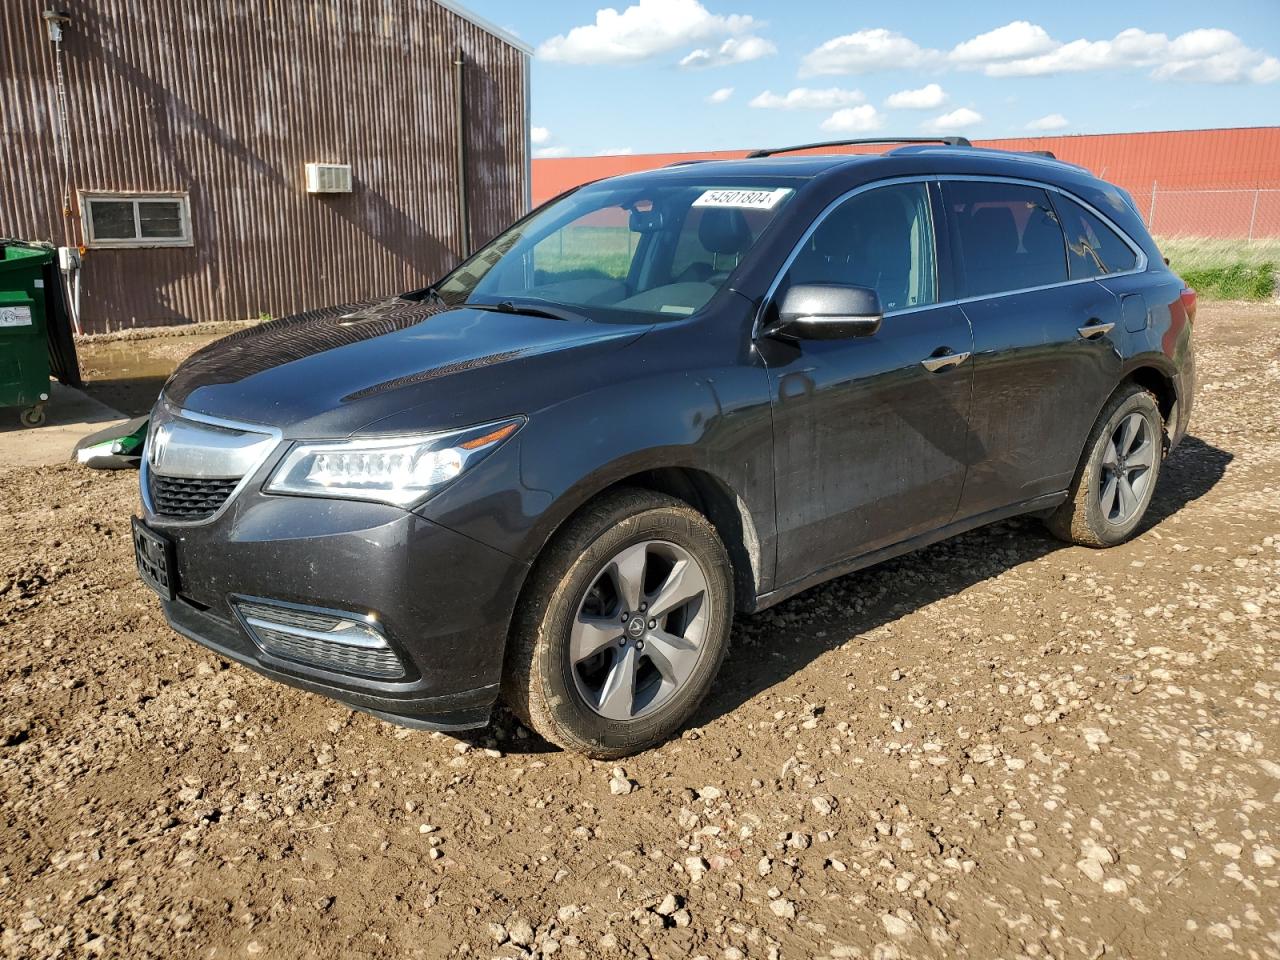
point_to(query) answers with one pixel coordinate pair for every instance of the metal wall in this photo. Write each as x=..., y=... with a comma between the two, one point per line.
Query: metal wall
x=228, y=101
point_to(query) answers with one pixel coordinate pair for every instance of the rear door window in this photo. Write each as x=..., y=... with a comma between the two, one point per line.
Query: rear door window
x=1006, y=237
x=1093, y=248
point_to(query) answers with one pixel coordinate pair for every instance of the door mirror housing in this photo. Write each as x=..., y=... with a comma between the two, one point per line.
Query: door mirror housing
x=827, y=311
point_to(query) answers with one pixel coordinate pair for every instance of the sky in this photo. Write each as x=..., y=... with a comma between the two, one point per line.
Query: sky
x=677, y=75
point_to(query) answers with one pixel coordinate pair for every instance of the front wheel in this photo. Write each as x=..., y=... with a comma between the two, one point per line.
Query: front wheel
x=622, y=627
x=1117, y=475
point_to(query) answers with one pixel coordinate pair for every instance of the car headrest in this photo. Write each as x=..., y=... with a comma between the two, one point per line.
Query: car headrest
x=724, y=231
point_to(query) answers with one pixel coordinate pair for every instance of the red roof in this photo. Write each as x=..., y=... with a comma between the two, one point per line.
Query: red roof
x=1242, y=157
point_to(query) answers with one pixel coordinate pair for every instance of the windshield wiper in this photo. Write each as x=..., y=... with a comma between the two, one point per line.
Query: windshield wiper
x=426, y=293
x=538, y=308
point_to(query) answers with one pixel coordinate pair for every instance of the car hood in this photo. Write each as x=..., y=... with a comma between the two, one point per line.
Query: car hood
x=382, y=366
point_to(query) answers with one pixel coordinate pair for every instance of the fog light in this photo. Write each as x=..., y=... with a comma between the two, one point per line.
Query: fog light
x=345, y=643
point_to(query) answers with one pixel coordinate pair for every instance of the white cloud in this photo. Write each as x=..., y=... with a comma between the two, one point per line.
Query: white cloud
x=1215, y=56
x=1203, y=56
x=865, y=51
x=644, y=30
x=1077, y=56
x=958, y=119
x=1268, y=71
x=720, y=96
x=1051, y=121
x=546, y=153
x=733, y=50
x=802, y=98
x=1025, y=49
x=615, y=152
x=925, y=98
x=1013, y=41
x=539, y=135
x=854, y=120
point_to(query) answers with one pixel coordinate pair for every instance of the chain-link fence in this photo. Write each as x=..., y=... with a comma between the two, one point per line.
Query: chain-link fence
x=1244, y=213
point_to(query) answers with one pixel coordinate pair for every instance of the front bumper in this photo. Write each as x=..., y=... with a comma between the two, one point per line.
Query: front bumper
x=457, y=711
x=444, y=601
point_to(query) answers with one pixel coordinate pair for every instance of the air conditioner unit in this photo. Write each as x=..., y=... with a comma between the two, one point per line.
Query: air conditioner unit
x=328, y=178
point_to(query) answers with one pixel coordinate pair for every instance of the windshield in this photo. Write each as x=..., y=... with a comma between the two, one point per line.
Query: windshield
x=661, y=249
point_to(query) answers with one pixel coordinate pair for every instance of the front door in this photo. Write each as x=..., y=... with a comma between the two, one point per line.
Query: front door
x=869, y=442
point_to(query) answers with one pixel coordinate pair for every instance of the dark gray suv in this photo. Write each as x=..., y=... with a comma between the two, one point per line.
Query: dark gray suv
x=555, y=475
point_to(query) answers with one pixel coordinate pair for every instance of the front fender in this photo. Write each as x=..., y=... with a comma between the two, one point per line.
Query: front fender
x=718, y=423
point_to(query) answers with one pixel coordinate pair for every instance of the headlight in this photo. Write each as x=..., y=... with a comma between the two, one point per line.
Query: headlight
x=395, y=470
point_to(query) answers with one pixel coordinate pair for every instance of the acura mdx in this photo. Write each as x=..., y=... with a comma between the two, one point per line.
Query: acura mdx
x=555, y=475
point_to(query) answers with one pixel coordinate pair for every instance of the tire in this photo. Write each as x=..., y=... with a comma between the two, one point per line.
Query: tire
x=573, y=603
x=1097, y=511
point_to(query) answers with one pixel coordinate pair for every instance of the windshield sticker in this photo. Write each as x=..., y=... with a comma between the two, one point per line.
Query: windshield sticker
x=15, y=316
x=748, y=199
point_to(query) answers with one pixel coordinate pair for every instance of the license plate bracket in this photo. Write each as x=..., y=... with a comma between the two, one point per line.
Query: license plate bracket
x=154, y=556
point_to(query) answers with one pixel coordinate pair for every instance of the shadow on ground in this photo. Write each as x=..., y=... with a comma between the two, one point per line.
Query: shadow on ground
x=925, y=576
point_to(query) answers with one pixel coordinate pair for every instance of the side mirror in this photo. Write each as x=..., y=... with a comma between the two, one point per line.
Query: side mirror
x=823, y=311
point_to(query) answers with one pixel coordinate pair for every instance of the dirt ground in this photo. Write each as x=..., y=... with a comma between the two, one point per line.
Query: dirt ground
x=998, y=747
x=127, y=374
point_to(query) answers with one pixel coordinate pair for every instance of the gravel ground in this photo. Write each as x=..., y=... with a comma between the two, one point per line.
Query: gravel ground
x=999, y=747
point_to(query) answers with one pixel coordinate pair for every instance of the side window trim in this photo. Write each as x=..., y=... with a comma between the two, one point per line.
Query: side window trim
x=1139, y=266
x=939, y=243
x=948, y=282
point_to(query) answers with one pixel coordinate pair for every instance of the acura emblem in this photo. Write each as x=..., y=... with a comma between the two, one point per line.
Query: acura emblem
x=159, y=442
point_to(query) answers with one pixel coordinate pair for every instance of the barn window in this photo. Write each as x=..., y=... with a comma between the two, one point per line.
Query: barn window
x=136, y=219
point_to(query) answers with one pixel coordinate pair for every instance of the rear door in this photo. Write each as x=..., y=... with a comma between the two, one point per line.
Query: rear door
x=869, y=442
x=1044, y=355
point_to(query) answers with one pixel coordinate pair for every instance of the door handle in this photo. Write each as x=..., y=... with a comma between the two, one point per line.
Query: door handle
x=942, y=362
x=1093, y=330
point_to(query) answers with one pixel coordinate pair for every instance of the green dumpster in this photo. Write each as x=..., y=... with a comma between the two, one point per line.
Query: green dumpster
x=24, y=344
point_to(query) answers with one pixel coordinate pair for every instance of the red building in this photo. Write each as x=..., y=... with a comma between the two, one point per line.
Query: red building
x=1223, y=183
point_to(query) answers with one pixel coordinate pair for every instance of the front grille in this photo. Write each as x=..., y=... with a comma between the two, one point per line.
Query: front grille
x=321, y=639
x=187, y=498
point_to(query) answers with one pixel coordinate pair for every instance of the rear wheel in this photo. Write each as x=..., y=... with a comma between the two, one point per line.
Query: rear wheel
x=622, y=627
x=1117, y=474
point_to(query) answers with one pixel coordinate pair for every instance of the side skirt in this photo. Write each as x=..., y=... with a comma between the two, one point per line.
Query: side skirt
x=1037, y=505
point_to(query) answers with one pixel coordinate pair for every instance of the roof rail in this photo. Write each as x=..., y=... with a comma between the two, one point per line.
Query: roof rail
x=685, y=163
x=1043, y=153
x=948, y=141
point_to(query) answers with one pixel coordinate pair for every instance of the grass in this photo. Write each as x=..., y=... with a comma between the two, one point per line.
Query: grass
x=583, y=251
x=1225, y=269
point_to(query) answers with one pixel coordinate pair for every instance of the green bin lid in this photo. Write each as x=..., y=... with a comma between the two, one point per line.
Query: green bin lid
x=23, y=257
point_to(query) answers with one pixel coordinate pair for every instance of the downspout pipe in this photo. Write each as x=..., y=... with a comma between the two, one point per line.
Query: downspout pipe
x=460, y=103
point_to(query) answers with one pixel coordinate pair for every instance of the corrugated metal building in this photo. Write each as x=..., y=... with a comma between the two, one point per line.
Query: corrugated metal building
x=190, y=126
x=1223, y=183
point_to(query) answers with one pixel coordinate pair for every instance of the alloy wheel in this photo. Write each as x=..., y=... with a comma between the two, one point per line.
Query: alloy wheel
x=638, y=633
x=1126, y=472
